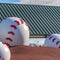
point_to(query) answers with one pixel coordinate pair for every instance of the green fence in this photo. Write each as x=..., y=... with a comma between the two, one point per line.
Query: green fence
x=41, y=19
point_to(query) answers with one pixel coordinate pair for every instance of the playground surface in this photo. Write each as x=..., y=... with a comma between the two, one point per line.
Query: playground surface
x=34, y=53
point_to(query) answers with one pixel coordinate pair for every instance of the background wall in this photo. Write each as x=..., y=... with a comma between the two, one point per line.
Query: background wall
x=41, y=19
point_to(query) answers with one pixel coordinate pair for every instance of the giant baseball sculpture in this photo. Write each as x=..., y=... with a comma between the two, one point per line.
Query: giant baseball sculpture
x=14, y=31
x=4, y=52
x=53, y=41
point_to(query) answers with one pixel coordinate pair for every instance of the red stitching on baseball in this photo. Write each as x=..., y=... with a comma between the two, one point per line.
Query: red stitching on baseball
x=22, y=21
x=54, y=39
x=11, y=33
x=17, y=22
x=13, y=26
x=57, y=42
x=50, y=37
x=9, y=39
x=6, y=44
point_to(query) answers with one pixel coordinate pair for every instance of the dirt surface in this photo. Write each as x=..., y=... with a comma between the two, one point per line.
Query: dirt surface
x=34, y=53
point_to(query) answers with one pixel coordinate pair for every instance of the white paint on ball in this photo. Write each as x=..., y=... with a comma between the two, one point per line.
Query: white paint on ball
x=21, y=34
x=4, y=52
x=53, y=41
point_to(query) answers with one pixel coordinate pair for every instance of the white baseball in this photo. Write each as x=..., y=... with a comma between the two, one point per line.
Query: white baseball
x=24, y=31
x=53, y=41
x=4, y=52
x=14, y=31
x=22, y=27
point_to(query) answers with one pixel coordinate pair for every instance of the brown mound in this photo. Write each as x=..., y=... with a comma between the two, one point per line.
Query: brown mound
x=34, y=53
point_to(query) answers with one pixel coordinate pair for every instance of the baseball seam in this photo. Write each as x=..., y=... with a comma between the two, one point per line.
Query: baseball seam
x=21, y=21
x=53, y=40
